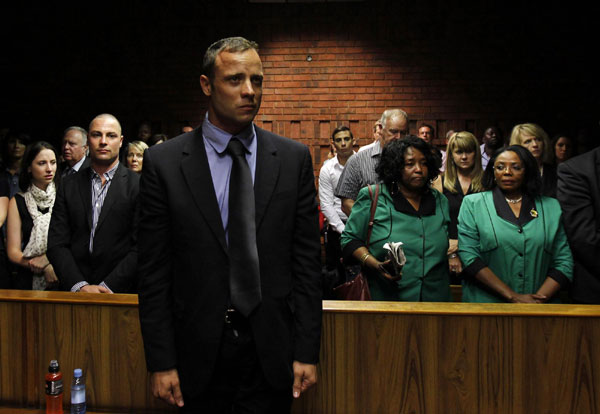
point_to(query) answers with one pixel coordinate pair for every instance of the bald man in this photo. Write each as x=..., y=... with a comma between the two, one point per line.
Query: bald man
x=92, y=241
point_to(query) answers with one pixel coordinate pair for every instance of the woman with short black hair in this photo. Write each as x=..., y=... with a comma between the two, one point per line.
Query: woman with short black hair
x=407, y=211
x=511, y=240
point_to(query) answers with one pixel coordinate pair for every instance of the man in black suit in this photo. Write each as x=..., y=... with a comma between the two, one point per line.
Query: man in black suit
x=229, y=354
x=74, y=149
x=578, y=192
x=92, y=240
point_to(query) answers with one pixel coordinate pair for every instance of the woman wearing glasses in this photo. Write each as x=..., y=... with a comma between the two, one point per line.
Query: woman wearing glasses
x=511, y=240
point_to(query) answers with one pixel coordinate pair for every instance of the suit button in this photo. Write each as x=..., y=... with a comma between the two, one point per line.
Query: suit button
x=520, y=230
x=520, y=254
x=520, y=274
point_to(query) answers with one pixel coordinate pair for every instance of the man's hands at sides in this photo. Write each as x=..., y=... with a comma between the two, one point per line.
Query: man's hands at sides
x=305, y=376
x=165, y=385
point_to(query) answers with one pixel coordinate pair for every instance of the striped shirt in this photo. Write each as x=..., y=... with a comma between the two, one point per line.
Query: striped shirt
x=99, y=192
x=359, y=172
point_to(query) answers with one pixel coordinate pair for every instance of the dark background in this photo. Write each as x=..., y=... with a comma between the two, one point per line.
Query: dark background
x=462, y=67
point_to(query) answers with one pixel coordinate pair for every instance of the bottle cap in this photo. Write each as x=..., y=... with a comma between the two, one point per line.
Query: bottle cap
x=53, y=366
x=77, y=372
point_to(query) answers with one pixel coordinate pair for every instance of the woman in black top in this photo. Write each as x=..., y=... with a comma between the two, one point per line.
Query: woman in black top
x=462, y=176
x=29, y=213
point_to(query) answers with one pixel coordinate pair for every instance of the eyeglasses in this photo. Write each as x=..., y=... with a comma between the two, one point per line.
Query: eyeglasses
x=514, y=167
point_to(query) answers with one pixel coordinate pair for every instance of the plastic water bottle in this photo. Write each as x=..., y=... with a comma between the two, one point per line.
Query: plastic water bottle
x=78, y=392
x=54, y=389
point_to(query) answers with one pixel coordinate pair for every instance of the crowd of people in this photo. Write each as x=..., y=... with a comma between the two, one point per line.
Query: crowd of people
x=445, y=242
x=217, y=230
x=32, y=175
x=484, y=215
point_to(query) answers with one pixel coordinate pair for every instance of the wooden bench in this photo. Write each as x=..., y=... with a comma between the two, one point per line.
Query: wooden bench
x=376, y=357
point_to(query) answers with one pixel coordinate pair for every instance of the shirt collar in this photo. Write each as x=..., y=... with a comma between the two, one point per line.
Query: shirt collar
x=108, y=175
x=528, y=210
x=376, y=149
x=218, y=139
x=78, y=164
x=336, y=162
x=426, y=207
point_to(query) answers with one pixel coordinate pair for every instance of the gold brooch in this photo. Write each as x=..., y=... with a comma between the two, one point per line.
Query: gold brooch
x=533, y=213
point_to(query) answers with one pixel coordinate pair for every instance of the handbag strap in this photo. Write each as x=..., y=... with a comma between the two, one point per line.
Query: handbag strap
x=374, y=199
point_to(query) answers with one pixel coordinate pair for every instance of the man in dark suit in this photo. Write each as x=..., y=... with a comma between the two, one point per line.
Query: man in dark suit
x=578, y=192
x=74, y=149
x=229, y=354
x=92, y=240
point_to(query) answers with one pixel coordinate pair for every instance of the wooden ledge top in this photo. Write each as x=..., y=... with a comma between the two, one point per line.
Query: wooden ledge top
x=333, y=306
x=7, y=295
x=450, y=309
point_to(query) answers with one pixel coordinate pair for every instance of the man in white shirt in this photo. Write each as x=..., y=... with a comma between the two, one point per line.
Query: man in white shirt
x=376, y=136
x=331, y=206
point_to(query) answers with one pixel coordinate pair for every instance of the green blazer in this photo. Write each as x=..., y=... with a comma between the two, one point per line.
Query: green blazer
x=424, y=234
x=521, y=254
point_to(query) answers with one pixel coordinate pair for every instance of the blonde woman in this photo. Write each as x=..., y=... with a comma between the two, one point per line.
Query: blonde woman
x=462, y=176
x=535, y=139
x=135, y=155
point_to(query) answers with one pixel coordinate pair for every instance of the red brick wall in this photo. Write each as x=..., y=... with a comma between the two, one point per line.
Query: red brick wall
x=453, y=68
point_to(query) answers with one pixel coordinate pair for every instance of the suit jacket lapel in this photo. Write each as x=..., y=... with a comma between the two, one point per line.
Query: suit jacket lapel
x=85, y=191
x=266, y=175
x=196, y=171
x=113, y=194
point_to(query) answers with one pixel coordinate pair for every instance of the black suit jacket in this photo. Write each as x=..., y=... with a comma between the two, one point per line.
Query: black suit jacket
x=579, y=197
x=184, y=268
x=114, y=258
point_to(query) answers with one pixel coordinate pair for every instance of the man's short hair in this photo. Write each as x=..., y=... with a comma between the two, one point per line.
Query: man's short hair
x=432, y=129
x=229, y=44
x=107, y=116
x=340, y=129
x=79, y=129
x=389, y=113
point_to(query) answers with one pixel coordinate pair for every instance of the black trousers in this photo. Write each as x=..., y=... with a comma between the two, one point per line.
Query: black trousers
x=333, y=253
x=238, y=384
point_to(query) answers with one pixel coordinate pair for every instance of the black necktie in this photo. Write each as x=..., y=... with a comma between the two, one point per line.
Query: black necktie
x=244, y=276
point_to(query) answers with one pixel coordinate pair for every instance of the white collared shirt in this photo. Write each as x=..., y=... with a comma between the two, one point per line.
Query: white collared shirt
x=331, y=206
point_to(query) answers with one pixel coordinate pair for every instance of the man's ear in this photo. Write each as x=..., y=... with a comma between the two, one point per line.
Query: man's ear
x=205, y=84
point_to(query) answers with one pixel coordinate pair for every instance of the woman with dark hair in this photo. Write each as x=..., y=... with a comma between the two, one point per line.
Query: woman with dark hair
x=563, y=148
x=510, y=238
x=29, y=213
x=462, y=176
x=157, y=139
x=407, y=211
x=13, y=149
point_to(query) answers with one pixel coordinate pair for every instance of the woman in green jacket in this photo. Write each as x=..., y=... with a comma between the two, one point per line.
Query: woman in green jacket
x=408, y=211
x=511, y=240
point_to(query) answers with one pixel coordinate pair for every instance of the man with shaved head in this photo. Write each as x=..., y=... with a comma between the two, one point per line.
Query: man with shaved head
x=92, y=241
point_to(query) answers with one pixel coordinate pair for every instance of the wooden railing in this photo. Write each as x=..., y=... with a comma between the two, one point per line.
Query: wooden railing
x=376, y=357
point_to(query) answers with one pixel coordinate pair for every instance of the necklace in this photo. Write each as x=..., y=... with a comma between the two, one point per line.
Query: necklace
x=514, y=201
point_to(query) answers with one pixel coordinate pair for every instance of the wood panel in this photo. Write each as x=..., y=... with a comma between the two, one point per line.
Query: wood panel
x=457, y=358
x=376, y=357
